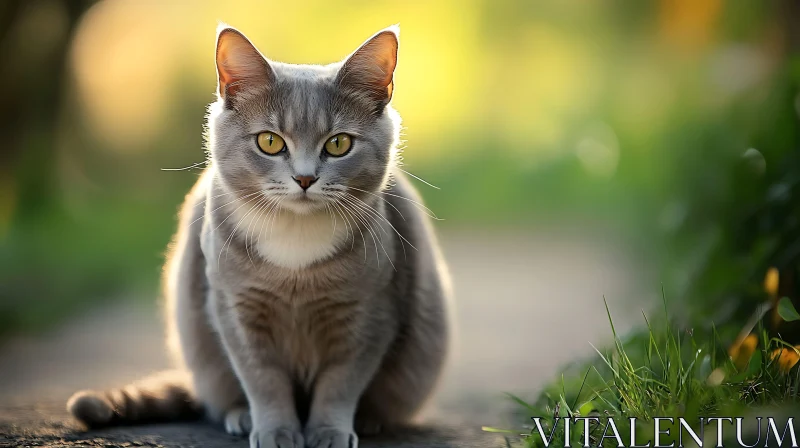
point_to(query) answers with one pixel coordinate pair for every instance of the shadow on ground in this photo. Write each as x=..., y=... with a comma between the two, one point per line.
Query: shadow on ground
x=50, y=426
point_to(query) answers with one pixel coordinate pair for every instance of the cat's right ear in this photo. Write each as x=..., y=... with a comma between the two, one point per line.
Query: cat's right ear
x=240, y=66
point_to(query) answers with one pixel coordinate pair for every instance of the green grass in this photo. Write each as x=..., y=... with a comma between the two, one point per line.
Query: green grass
x=664, y=372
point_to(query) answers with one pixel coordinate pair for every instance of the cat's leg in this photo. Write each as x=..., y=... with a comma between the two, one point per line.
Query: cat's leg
x=266, y=383
x=214, y=381
x=337, y=390
x=335, y=398
x=409, y=373
x=193, y=341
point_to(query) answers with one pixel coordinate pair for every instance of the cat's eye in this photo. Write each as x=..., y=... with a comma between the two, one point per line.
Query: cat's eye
x=270, y=143
x=338, y=145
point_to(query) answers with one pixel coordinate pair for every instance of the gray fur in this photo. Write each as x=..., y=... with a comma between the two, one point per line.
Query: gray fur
x=301, y=343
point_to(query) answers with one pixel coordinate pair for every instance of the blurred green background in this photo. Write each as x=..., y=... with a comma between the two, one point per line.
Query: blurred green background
x=671, y=125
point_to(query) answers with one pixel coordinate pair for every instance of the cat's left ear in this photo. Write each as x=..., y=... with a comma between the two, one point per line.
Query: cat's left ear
x=370, y=69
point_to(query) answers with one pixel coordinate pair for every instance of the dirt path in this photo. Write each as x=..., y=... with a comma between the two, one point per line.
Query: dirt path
x=526, y=305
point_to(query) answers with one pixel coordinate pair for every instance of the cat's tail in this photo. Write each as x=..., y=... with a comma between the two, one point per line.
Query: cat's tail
x=164, y=396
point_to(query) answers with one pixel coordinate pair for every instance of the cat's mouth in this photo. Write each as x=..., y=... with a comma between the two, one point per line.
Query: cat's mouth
x=306, y=198
x=304, y=203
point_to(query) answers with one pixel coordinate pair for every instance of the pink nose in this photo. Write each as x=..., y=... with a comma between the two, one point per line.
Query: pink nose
x=305, y=181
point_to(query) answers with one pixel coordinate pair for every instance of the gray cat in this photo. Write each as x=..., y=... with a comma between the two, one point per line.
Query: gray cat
x=307, y=297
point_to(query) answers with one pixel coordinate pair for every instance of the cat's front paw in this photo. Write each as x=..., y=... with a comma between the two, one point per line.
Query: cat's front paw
x=238, y=422
x=276, y=438
x=330, y=437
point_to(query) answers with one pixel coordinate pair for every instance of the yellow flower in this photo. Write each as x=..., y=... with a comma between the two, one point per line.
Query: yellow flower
x=771, y=281
x=716, y=377
x=741, y=351
x=787, y=358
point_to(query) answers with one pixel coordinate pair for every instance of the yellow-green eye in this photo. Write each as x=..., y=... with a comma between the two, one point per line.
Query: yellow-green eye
x=270, y=143
x=338, y=145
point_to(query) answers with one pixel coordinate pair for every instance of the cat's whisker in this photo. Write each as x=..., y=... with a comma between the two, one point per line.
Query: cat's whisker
x=220, y=207
x=219, y=257
x=350, y=232
x=371, y=209
x=383, y=247
x=202, y=203
x=248, y=239
x=367, y=220
x=419, y=178
x=333, y=218
x=256, y=207
x=267, y=217
x=275, y=187
x=358, y=207
x=356, y=226
x=268, y=213
x=192, y=166
x=263, y=205
x=375, y=238
x=274, y=212
x=377, y=215
x=419, y=206
x=229, y=240
x=383, y=199
x=366, y=213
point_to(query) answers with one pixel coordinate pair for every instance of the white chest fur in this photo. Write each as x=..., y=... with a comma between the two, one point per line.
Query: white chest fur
x=288, y=239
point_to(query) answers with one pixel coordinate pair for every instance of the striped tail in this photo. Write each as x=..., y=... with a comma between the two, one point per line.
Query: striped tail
x=165, y=396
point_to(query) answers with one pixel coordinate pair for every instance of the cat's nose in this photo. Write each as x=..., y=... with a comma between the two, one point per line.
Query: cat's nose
x=305, y=181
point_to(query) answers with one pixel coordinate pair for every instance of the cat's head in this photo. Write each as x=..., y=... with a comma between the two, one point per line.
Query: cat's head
x=302, y=136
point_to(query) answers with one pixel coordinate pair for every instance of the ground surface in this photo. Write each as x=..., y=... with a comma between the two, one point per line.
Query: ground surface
x=526, y=305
